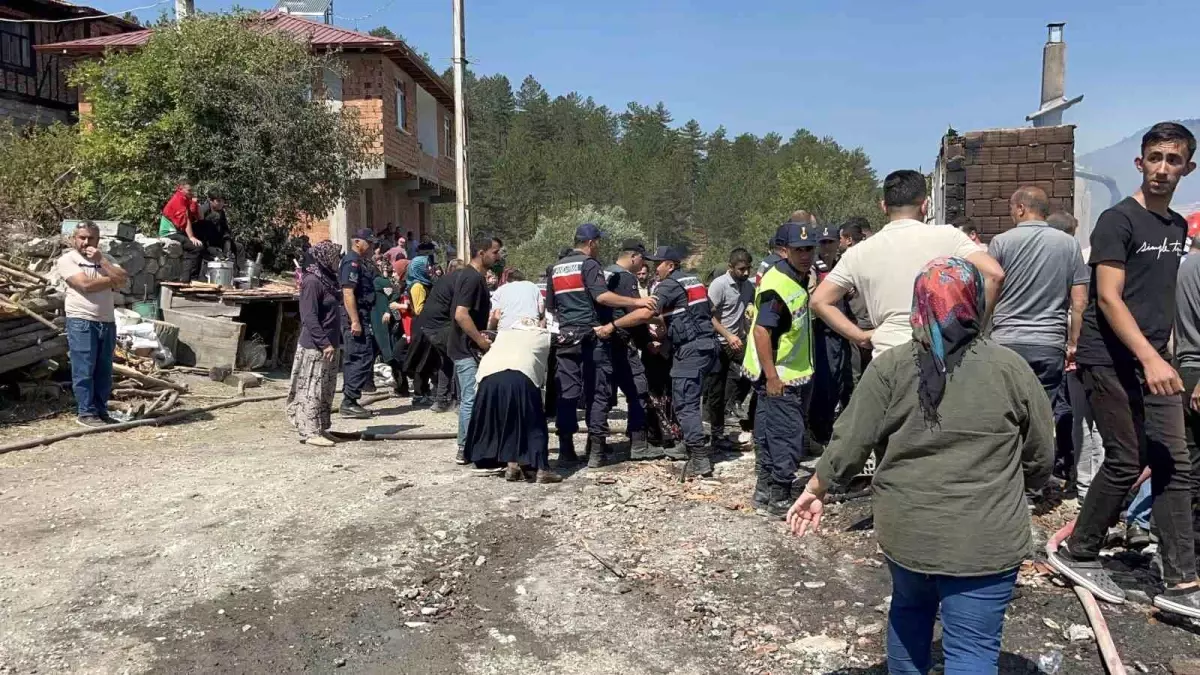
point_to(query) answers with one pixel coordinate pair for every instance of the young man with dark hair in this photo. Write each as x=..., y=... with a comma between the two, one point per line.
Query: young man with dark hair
x=729, y=295
x=883, y=267
x=1131, y=386
x=470, y=308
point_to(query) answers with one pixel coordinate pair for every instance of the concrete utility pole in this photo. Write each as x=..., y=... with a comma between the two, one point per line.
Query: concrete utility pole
x=462, y=210
x=184, y=9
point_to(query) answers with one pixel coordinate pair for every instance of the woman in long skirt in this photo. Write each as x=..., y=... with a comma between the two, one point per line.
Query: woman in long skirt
x=315, y=368
x=508, y=427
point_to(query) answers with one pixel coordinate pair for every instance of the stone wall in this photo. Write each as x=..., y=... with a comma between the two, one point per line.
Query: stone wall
x=148, y=260
x=980, y=170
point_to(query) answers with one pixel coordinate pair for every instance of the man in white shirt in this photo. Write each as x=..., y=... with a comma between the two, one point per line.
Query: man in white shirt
x=90, y=278
x=516, y=300
x=884, y=267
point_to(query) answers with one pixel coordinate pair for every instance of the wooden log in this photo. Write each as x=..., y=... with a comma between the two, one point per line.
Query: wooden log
x=16, y=271
x=19, y=342
x=55, y=346
x=31, y=313
x=152, y=382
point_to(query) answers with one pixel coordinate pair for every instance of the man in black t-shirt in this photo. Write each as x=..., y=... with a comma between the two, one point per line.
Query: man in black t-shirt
x=434, y=323
x=629, y=375
x=470, y=308
x=1131, y=386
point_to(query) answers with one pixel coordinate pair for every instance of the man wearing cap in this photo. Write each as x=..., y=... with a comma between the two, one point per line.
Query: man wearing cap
x=684, y=307
x=831, y=352
x=779, y=360
x=582, y=305
x=629, y=375
x=778, y=250
x=357, y=277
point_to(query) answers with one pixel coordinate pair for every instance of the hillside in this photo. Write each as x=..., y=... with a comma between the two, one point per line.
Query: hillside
x=1117, y=161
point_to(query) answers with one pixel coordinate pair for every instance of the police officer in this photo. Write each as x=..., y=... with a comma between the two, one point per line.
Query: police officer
x=629, y=375
x=357, y=276
x=779, y=360
x=582, y=306
x=683, y=305
x=831, y=351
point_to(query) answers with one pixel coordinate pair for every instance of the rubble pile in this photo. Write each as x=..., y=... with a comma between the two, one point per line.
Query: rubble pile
x=30, y=321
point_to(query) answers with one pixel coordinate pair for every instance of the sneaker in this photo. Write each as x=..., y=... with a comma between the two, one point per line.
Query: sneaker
x=545, y=477
x=90, y=421
x=353, y=410
x=513, y=474
x=1137, y=538
x=107, y=419
x=1087, y=573
x=1184, y=601
x=421, y=401
x=318, y=441
x=441, y=407
x=461, y=457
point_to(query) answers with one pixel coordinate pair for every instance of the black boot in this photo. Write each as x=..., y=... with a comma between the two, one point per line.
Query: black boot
x=640, y=449
x=699, y=461
x=598, y=454
x=566, y=450
x=779, y=501
x=762, y=489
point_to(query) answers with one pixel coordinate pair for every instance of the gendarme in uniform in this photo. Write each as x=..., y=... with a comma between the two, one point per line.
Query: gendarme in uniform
x=629, y=374
x=358, y=273
x=683, y=305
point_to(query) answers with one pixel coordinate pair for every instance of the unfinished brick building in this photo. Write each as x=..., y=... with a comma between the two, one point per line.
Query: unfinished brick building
x=978, y=171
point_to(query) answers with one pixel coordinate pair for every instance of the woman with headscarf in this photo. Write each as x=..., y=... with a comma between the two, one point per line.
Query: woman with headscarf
x=315, y=368
x=962, y=427
x=418, y=282
x=508, y=428
x=387, y=323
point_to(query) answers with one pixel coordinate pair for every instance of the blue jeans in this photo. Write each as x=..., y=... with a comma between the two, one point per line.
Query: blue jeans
x=465, y=369
x=1139, y=509
x=972, y=621
x=90, y=346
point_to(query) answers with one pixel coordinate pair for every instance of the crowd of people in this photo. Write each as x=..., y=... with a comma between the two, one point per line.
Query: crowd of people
x=969, y=373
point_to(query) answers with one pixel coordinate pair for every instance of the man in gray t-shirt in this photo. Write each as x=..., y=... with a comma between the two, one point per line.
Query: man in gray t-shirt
x=1044, y=277
x=729, y=294
x=1187, y=311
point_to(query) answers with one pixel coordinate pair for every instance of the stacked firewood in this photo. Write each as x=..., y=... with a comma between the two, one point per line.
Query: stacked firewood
x=31, y=325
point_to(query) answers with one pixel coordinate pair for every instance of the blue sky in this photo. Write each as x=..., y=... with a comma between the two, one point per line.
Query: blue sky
x=884, y=75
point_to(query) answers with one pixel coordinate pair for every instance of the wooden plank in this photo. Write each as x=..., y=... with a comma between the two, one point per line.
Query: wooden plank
x=200, y=307
x=56, y=346
x=205, y=341
x=277, y=335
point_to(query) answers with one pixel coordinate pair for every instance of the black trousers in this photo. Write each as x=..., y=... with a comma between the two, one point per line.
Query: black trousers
x=832, y=381
x=584, y=373
x=193, y=256
x=1191, y=378
x=721, y=388
x=358, y=361
x=779, y=431
x=1138, y=429
x=629, y=376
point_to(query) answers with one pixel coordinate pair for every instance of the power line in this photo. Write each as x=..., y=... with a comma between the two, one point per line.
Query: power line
x=117, y=15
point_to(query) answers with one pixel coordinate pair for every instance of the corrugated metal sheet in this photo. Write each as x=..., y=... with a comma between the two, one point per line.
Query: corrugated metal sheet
x=299, y=28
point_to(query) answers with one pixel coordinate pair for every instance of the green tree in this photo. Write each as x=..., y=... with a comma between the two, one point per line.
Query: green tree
x=37, y=168
x=557, y=231
x=229, y=108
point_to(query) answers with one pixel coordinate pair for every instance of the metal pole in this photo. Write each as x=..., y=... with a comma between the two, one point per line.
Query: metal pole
x=462, y=210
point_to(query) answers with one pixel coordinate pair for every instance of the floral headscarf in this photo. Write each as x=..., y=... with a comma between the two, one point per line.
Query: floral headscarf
x=947, y=310
x=327, y=257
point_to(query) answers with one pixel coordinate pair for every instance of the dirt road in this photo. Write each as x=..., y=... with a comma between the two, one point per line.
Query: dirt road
x=223, y=545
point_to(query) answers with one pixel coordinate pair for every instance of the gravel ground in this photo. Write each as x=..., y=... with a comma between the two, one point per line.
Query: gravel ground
x=223, y=545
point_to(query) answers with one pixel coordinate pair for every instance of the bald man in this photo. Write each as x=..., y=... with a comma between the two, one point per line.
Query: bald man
x=1044, y=278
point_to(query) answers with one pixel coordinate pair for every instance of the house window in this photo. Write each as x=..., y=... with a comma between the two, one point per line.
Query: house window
x=16, y=46
x=448, y=135
x=401, y=107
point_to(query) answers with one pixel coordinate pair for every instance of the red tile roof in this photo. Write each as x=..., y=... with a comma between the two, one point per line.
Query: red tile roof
x=319, y=35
